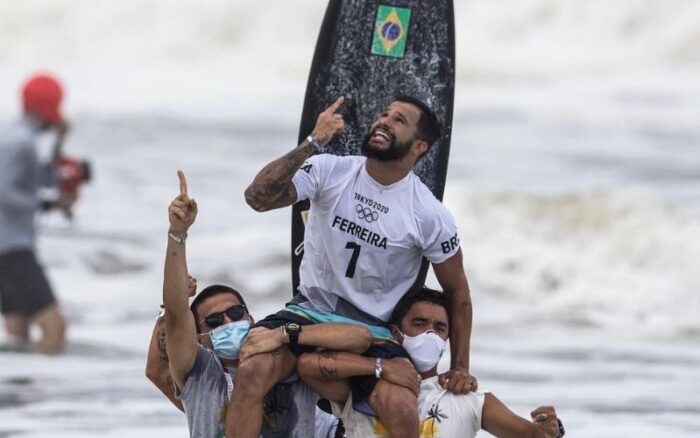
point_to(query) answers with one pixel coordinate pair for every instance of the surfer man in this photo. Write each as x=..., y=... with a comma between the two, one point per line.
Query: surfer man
x=370, y=224
x=203, y=344
x=26, y=297
x=420, y=322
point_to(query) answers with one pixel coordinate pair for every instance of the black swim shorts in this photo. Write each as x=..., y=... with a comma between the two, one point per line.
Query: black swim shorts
x=24, y=288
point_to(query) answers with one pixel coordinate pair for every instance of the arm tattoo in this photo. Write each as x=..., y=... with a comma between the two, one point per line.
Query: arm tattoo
x=327, y=372
x=163, y=353
x=271, y=187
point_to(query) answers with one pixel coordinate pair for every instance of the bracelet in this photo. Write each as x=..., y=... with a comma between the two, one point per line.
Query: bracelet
x=178, y=239
x=314, y=143
x=378, y=368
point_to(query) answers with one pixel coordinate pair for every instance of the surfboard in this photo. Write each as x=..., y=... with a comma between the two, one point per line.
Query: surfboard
x=371, y=51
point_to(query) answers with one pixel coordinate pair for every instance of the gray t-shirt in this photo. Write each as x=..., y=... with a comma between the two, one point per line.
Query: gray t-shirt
x=20, y=178
x=289, y=409
x=205, y=396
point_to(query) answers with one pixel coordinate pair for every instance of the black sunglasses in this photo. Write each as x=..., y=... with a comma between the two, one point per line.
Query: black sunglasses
x=235, y=313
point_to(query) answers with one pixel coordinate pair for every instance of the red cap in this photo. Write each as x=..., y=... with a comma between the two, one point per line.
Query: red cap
x=42, y=95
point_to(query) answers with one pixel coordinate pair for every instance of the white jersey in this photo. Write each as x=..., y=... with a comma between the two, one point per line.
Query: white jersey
x=364, y=242
x=441, y=413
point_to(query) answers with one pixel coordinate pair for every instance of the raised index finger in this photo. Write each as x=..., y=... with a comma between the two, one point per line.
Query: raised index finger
x=183, y=182
x=335, y=105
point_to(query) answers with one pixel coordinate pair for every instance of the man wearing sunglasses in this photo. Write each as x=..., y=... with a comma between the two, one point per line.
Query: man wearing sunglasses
x=203, y=344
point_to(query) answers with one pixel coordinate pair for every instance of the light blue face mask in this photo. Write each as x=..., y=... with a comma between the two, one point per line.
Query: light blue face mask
x=227, y=339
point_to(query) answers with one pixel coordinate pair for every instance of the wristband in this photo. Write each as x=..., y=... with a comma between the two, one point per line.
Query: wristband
x=378, y=368
x=178, y=239
x=314, y=143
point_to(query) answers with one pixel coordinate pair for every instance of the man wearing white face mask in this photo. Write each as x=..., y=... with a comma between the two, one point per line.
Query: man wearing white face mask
x=204, y=340
x=420, y=323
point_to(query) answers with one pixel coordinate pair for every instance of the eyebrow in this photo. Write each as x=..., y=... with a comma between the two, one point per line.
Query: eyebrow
x=438, y=324
x=402, y=116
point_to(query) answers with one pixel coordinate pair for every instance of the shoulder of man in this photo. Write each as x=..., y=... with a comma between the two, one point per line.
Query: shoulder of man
x=322, y=165
x=426, y=203
x=206, y=361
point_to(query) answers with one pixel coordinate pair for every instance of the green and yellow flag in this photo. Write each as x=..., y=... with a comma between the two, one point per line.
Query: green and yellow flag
x=390, y=31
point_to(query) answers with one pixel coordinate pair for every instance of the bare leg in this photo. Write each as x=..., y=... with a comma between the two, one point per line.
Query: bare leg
x=256, y=376
x=17, y=327
x=53, y=329
x=309, y=368
x=397, y=407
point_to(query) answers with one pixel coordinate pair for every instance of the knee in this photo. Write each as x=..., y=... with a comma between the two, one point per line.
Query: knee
x=396, y=403
x=55, y=327
x=17, y=326
x=253, y=378
x=305, y=365
x=60, y=325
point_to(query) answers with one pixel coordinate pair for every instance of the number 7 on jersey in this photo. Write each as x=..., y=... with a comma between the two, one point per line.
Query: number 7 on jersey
x=350, y=272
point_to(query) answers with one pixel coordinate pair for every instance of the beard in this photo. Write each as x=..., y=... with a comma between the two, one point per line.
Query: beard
x=395, y=151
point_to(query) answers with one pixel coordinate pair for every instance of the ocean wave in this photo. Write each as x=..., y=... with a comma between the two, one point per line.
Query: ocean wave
x=507, y=37
x=618, y=259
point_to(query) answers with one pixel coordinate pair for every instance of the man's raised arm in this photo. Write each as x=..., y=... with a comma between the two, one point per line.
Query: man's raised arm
x=272, y=187
x=181, y=341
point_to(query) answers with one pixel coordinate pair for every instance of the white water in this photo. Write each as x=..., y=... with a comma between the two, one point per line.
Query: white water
x=573, y=177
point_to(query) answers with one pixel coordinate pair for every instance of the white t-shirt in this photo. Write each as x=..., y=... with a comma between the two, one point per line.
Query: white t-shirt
x=442, y=414
x=364, y=241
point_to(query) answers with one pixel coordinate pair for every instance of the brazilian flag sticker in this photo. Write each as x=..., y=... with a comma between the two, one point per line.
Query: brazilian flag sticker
x=390, y=31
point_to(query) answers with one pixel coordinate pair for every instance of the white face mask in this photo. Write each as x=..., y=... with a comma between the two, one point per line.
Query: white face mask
x=425, y=349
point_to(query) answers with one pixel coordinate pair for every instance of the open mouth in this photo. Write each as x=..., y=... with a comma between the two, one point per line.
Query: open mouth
x=381, y=135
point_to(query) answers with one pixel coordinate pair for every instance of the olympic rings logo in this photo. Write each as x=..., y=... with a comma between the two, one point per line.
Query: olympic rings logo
x=366, y=213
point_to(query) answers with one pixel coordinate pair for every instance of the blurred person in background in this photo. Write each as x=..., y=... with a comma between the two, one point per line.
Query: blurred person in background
x=26, y=297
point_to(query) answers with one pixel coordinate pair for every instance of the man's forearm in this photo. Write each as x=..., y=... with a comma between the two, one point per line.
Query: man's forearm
x=272, y=186
x=157, y=364
x=175, y=279
x=460, y=329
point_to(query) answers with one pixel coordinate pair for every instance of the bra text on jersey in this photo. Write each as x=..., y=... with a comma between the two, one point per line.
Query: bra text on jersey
x=359, y=231
x=450, y=245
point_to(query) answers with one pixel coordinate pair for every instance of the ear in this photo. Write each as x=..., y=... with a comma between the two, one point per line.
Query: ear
x=420, y=147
